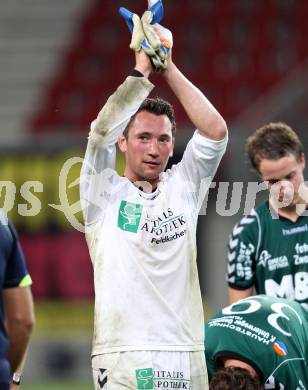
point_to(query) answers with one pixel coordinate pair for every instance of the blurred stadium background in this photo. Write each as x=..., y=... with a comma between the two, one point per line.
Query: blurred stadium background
x=59, y=61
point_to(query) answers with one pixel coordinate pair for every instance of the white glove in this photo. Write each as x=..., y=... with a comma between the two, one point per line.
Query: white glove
x=149, y=31
x=159, y=40
x=155, y=40
x=137, y=34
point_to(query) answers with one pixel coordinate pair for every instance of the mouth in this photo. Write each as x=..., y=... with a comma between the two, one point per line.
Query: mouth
x=152, y=163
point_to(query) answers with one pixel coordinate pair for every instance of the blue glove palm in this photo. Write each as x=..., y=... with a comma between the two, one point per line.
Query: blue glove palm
x=144, y=35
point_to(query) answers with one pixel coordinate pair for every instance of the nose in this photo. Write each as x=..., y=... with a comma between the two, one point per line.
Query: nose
x=153, y=149
x=283, y=185
x=276, y=187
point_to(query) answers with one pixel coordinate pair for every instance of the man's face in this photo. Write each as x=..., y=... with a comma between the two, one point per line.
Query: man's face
x=283, y=177
x=148, y=147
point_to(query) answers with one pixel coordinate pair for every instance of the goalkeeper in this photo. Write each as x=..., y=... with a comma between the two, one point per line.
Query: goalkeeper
x=141, y=228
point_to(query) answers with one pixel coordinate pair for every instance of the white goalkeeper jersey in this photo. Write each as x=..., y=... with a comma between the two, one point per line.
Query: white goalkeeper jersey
x=143, y=245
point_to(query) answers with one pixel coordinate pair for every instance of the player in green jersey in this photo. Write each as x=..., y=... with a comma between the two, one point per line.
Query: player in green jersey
x=260, y=342
x=268, y=249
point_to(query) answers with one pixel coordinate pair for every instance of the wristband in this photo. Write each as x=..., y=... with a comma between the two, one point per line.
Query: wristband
x=16, y=378
x=136, y=73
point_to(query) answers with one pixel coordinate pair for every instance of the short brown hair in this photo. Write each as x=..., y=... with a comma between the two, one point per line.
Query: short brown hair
x=234, y=378
x=273, y=141
x=156, y=106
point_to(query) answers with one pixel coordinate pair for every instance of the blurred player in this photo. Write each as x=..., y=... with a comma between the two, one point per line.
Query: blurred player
x=16, y=307
x=258, y=342
x=141, y=233
x=268, y=249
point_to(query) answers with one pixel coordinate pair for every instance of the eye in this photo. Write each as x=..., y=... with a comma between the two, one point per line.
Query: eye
x=164, y=140
x=272, y=182
x=290, y=176
x=143, y=137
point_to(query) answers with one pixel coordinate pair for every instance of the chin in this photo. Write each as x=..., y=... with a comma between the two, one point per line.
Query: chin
x=150, y=179
x=147, y=177
x=151, y=175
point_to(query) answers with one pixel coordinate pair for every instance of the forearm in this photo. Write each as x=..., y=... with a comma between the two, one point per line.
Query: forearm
x=19, y=337
x=235, y=295
x=121, y=105
x=198, y=108
x=17, y=373
x=20, y=318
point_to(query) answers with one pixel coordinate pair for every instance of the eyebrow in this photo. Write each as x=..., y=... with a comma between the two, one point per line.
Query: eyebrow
x=145, y=132
x=274, y=179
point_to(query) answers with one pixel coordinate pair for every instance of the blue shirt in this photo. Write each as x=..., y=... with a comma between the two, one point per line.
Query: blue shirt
x=13, y=273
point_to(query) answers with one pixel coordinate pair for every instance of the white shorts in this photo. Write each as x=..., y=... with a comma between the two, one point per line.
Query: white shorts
x=150, y=370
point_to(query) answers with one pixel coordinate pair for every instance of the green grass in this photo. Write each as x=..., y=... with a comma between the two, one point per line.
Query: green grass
x=57, y=386
x=60, y=317
x=58, y=320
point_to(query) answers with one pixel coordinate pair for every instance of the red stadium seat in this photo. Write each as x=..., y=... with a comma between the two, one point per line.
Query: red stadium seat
x=59, y=265
x=36, y=253
x=73, y=266
x=234, y=47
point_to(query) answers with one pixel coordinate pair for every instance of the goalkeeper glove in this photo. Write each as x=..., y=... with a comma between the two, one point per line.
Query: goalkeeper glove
x=159, y=40
x=157, y=51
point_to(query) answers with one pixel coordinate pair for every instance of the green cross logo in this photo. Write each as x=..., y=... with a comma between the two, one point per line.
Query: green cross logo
x=129, y=216
x=144, y=377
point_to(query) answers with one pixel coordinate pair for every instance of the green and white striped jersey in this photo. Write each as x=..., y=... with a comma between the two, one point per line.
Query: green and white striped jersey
x=270, y=334
x=270, y=253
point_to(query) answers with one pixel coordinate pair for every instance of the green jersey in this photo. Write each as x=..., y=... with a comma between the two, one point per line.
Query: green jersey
x=270, y=334
x=270, y=253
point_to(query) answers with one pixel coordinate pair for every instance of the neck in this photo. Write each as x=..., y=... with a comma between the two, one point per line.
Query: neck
x=144, y=185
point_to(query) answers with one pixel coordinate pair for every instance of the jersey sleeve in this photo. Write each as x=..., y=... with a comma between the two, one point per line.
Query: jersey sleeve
x=199, y=165
x=16, y=274
x=242, y=249
x=100, y=157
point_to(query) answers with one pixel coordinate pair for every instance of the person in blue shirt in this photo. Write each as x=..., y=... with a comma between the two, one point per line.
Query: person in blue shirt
x=16, y=307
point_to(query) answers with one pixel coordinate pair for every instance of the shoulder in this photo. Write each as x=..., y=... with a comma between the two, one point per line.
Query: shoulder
x=263, y=211
x=200, y=141
x=254, y=221
x=247, y=225
x=7, y=228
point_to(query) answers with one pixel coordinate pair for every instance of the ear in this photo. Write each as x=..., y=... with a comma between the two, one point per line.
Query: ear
x=122, y=143
x=303, y=160
x=171, y=152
